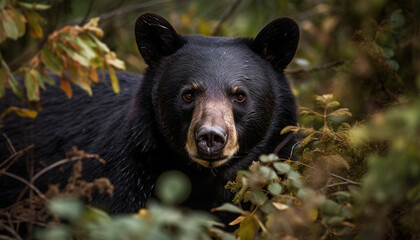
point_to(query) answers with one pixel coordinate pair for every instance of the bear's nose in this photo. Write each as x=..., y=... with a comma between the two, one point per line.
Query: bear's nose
x=210, y=140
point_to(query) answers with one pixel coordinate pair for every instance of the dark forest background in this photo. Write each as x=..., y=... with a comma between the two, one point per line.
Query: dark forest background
x=356, y=75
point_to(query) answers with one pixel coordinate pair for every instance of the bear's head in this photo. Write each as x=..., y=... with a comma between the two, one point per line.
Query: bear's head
x=216, y=99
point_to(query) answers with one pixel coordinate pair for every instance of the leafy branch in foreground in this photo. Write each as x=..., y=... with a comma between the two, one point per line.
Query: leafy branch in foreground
x=75, y=53
x=301, y=199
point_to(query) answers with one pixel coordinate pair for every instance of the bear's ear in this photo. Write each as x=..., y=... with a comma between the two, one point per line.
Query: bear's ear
x=277, y=42
x=155, y=38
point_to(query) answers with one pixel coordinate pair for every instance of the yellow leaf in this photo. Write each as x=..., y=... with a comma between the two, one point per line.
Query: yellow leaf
x=114, y=80
x=237, y=220
x=313, y=214
x=144, y=213
x=247, y=228
x=34, y=21
x=21, y=112
x=65, y=86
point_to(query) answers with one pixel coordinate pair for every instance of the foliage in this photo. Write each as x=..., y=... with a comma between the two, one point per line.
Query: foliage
x=283, y=203
x=352, y=180
x=390, y=190
x=157, y=221
x=73, y=52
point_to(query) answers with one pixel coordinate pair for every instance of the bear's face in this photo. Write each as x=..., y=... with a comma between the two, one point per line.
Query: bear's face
x=213, y=97
x=206, y=105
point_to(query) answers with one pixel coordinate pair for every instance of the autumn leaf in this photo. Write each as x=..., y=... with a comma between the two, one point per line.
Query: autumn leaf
x=248, y=228
x=114, y=80
x=35, y=20
x=21, y=112
x=65, y=86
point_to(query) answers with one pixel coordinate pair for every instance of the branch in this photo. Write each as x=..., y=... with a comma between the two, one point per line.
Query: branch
x=89, y=10
x=225, y=17
x=59, y=163
x=14, y=157
x=125, y=10
x=314, y=69
x=25, y=182
x=345, y=179
x=10, y=230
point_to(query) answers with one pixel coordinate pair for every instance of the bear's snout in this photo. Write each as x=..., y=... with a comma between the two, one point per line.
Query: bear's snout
x=210, y=141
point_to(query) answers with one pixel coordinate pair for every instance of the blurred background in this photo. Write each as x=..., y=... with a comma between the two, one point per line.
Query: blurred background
x=365, y=52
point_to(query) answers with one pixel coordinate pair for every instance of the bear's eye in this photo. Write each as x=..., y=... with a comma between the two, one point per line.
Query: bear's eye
x=240, y=97
x=188, y=96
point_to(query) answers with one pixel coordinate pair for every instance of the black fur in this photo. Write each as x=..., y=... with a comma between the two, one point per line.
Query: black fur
x=141, y=132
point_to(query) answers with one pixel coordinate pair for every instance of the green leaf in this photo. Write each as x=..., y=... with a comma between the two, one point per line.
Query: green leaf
x=56, y=232
x=331, y=208
x=32, y=86
x=340, y=112
x=295, y=179
x=388, y=53
x=9, y=24
x=342, y=196
x=229, y=207
x=306, y=194
x=274, y=188
x=51, y=61
x=333, y=104
x=397, y=19
x=85, y=49
x=282, y=168
x=394, y=64
x=267, y=173
x=100, y=45
x=74, y=55
x=268, y=158
x=34, y=6
x=173, y=187
x=64, y=208
x=258, y=197
x=95, y=215
x=335, y=220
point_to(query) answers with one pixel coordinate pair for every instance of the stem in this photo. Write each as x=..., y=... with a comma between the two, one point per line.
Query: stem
x=322, y=67
x=225, y=17
x=10, y=230
x=25, y=182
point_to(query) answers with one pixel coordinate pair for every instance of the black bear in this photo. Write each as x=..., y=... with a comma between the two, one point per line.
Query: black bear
x=206, y=106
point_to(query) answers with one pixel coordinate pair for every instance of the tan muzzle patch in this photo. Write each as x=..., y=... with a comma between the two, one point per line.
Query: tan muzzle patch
x=212, y=113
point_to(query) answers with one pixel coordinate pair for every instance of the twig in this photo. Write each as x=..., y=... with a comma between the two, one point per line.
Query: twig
x=89, y=10
x=336, y=184
x=284, y=142
x=11, y=230
x=345, y=179
x=126, y=9
x=348, y=181
x=225, y=17
x=25, y=182
x=313, y=69
x=9, y=144
x=12, y=158
x=61, y=162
